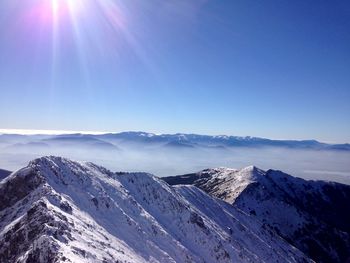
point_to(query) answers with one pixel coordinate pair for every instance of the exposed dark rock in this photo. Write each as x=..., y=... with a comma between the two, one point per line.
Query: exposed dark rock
x=19, y=187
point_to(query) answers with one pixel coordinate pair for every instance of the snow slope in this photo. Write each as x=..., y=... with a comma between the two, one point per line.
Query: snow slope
x=58, y=210
x=313, y=216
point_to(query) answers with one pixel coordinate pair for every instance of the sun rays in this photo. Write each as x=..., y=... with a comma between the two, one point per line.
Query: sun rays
x=72, y=29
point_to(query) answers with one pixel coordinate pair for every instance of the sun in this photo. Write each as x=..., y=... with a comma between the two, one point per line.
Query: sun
x=62, y=31
x=54, y=5
x=64, y=7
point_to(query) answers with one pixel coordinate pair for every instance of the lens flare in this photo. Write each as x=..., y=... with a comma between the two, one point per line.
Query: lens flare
x=73, y=34
x=54, y=6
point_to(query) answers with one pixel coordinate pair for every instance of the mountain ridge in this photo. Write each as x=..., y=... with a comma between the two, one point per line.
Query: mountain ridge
x=182, y=139
x=311, y=215
x=58, y=210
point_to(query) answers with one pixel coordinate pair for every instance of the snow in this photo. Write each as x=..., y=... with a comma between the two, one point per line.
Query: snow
x=82, y=212
x=311, y=215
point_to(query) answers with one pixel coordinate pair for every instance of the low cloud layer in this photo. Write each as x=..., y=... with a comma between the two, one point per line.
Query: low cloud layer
x=165, y=160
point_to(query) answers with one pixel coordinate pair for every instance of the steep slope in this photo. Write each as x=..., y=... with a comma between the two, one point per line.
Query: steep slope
x=314, y=216
x=57, y=210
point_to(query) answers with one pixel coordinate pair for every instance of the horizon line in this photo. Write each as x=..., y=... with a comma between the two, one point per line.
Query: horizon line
x=67, y=132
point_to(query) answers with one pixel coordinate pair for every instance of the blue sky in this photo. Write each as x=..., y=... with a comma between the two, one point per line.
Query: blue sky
x=277, y=69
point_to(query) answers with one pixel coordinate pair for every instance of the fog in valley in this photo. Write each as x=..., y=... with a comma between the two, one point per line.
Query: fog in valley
x=173, y=159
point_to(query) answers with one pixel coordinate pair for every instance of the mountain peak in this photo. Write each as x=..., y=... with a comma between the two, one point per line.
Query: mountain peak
x=314, y=212
x=252, y=170
x=59, y=210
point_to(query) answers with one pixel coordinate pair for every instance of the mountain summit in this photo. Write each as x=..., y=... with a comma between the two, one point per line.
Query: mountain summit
x=313, y=216
x=58, y=210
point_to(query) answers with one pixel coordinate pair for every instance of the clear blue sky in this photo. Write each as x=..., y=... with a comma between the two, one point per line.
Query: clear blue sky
x=277, y=69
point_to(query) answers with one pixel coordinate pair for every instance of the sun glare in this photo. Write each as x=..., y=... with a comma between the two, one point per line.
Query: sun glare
x=54, y=6
x=61, y=7
x=74, y=30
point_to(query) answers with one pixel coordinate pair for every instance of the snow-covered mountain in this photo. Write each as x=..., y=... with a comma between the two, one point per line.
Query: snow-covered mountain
x=58, y=210
x=313, y=216
x=112, y=140
x=197, y=140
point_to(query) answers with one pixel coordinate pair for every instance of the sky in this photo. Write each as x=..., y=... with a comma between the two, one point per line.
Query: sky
x=275, y=69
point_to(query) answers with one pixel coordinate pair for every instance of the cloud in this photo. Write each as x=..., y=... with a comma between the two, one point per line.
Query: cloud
x=327, y=172
x=45, y=132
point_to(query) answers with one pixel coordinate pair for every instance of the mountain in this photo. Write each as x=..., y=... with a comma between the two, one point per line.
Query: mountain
x=79, y=140
x=58, y=210
x=193, y=140
x=313, y=216
x=172, y=154
x=4, y=173
x=111, y=140
x=29, y=147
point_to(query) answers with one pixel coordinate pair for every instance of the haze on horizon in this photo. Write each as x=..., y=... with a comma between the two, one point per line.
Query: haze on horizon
x=66, y=132
x=277, y=69
x=166, y=155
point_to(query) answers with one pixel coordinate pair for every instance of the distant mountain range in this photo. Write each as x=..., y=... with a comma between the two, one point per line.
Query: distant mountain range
x=313, y=216
x=58, y=210
x=111, y=141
